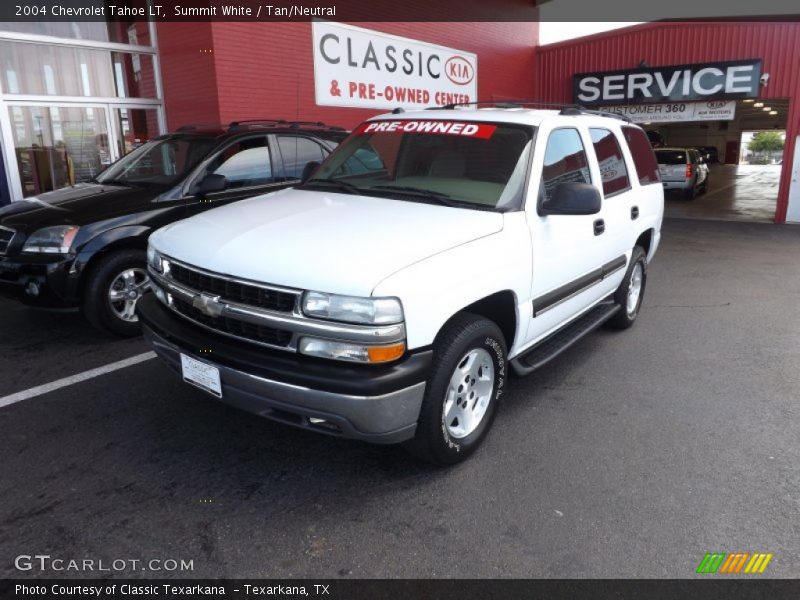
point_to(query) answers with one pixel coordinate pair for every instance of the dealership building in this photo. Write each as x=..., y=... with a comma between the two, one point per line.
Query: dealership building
x=76, y=96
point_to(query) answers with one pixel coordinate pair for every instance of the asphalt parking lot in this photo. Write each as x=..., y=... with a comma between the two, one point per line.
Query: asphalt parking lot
x=632, y=455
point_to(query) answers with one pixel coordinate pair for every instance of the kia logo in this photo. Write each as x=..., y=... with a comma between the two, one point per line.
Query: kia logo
x=459, y=70
x=715, y=105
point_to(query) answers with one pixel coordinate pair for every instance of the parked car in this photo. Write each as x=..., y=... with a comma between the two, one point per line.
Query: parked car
x=84, y=246
x=684, y=170
x=710, y=154
x=389, y=297
x=656, y=139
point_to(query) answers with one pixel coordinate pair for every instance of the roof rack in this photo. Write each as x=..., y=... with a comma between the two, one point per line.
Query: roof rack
x=248, y=123
x=577, y=109
x=503, y=104
x=565, y=109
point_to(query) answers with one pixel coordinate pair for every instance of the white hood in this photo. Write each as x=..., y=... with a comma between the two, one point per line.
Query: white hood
x=329, y=242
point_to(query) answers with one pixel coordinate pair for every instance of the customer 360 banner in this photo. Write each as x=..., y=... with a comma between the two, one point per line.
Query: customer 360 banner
x=364, y=68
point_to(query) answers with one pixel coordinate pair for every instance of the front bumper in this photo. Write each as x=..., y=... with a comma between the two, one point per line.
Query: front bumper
x=377, y=404
x=50, y=275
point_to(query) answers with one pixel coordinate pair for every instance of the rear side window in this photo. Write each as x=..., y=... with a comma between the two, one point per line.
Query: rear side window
x=613, y=171
x=564, y=160
x=643, y=157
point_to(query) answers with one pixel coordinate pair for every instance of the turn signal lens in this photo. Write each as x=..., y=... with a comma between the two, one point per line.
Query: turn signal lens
x=379, y=354
x=351, y=352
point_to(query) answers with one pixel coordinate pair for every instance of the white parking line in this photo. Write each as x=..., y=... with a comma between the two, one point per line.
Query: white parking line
x=66, y=381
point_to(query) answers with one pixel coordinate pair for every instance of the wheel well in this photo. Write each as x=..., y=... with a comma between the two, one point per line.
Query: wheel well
x=132, y=243
x=501, y=309
x=645, y=240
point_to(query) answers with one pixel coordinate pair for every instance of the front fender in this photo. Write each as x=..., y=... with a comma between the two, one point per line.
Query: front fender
x=129, y=235
x=435, y=289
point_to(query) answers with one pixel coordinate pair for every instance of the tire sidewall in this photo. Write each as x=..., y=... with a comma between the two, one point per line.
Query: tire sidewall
x=96, y=306
x=447, y=448
x=637, y=257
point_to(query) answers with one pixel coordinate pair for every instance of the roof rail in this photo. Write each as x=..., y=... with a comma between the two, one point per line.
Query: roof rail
x=242, y=124
x=511, y=103
x=577, y=109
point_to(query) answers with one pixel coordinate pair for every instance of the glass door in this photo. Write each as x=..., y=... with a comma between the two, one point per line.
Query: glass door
x=57, y=146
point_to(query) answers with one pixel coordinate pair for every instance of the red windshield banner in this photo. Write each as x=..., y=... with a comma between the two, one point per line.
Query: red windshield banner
x=482, y=131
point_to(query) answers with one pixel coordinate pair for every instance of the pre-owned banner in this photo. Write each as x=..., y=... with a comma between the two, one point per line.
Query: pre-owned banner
x=362, y=68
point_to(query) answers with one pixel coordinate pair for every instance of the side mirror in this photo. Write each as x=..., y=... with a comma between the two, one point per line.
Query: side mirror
x=308, y=170
x=210, y=184
x=571, y=198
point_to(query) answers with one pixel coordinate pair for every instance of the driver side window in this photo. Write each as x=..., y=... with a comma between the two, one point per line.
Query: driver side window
x=564, y=161
x=244, y=163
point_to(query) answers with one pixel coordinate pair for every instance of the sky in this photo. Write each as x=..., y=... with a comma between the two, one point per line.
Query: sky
x=551, y=32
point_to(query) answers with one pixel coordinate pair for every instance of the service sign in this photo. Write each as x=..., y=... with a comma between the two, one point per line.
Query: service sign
x=367, y=69
x=712, y=110
x=682, y=83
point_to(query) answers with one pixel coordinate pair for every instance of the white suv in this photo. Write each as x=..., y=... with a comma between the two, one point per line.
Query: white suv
x=385, y=298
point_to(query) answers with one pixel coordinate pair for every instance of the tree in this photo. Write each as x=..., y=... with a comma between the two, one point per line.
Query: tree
x=766, y=141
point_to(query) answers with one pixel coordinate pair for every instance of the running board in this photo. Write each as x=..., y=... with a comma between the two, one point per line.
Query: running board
x=556, y=343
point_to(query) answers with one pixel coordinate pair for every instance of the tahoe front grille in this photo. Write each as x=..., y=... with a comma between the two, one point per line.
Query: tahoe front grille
x=6, y=235
x=231, y=290
x=241, y=329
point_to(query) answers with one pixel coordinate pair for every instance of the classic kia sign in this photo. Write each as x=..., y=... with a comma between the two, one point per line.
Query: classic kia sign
x=723, y=80
x=369, y=69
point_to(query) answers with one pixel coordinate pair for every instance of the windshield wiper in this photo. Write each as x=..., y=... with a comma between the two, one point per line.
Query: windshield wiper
x=117, y=182
x=437, y=197
x=342, y=185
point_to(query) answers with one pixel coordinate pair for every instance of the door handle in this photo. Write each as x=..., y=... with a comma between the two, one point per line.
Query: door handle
x=599, y=226
x=634, y=213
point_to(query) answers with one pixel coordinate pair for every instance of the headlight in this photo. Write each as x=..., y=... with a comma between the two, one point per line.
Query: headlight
x=52, y=240
x=351, y=309
x=353, y=352
x=154, y=259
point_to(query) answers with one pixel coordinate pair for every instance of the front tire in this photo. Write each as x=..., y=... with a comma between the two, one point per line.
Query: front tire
x=462, y=391
x=630, y=293
x=112, y=290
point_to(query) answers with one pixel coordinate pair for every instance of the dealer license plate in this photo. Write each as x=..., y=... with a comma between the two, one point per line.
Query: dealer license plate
x=202, y=375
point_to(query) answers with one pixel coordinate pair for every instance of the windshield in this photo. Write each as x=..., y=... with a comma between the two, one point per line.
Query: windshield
x=475, y=165
x=158, y=162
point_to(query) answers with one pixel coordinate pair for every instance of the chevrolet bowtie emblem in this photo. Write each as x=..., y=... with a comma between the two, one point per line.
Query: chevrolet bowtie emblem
x=208, y=305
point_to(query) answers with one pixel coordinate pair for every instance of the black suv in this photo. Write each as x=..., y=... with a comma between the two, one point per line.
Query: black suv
x=85, y=245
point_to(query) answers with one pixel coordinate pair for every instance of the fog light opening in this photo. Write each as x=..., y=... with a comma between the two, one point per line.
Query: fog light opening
x=323, y=424
x=32, y=288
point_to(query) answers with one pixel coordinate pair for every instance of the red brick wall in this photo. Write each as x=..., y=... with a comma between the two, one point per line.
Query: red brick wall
x=188, y=73
x=268, y=70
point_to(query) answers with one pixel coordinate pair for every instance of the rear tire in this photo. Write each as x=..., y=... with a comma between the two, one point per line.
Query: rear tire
x=690, y=194
x=462, y=391
x=112, y=289
x=630, y=293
